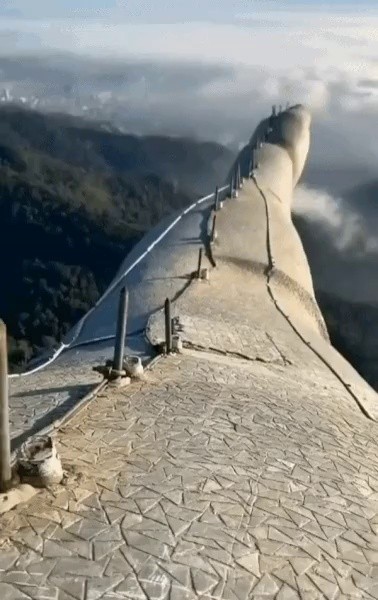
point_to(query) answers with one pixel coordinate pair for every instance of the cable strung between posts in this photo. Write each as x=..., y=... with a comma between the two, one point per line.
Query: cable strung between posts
x=110, y=289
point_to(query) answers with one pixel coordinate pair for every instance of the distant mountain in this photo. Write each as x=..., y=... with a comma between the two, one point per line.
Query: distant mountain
x=192, y=166
x=73, y=202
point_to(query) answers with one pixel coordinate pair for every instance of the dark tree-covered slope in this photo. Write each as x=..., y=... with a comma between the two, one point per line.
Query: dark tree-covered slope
x=73, y=202
x=191, y=165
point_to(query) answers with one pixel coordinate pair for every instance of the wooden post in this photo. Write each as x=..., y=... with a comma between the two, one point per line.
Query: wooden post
x=119, y=346
x=168, y=326
x=5, y=451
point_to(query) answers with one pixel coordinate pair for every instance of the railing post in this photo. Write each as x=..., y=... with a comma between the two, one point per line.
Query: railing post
x=119, y=347
x=199, y=263
x=5, y=452
x=256, y=156
x=239, y=183
x=217, y=198
x=168, y=326
x=253, y=159
x=212, y=236
x=232, y=185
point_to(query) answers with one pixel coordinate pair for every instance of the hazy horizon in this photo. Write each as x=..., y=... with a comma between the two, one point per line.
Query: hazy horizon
x=223, y=66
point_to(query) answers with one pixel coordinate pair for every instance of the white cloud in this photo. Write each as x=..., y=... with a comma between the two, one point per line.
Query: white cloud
x=346, y=227
x=319, y=58
x=325, y=48
x=326, y=59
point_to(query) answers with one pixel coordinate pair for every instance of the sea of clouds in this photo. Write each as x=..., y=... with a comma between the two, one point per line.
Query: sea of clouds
x=328, y=60
x=215, y=74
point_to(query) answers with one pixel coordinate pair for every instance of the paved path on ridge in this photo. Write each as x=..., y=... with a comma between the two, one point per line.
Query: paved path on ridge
x=38, y=399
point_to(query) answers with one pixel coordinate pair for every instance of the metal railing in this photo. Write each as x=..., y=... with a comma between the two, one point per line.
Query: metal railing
x=232, y=188
x=235, y=184
x=113, y=286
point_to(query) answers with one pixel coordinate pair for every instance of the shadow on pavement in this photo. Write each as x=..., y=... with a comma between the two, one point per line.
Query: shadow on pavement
x=75, y=393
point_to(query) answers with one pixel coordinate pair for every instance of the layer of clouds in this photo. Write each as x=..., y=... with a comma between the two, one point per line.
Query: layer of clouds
x=350, y=232
x=217, y=79
x=325, y=60
x=163, y=11
x=340, y=239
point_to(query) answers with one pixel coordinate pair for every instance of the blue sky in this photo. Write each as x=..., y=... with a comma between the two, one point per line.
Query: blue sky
x=168, y=10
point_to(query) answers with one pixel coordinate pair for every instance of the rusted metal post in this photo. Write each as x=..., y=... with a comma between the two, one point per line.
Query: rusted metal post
x=5, y=451
x=168, y=326
x=119, y=346
x=199, y=263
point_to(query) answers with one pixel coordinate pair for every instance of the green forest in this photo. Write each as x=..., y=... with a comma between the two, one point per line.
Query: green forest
x=74, y=199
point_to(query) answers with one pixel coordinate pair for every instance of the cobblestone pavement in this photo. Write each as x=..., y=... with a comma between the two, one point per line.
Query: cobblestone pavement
x=43, y=397
x=213, y=478
x=40, y=399
x=245, y=467
x=233, y=314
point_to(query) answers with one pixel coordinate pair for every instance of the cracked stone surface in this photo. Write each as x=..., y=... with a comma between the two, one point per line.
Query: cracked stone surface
x=38, y=400
x=215, y=477
x=245, y=467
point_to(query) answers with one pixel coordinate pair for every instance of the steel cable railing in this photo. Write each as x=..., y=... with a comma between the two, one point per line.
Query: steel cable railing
x=233, y=187
x=71, y=344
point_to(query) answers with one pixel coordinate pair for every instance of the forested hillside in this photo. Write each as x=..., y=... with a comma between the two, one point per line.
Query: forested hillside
x=73, y=202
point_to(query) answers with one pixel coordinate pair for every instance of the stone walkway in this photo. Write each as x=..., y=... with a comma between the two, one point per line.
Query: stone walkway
x=38, y=400
x=245, y=467
x=41, y=398
x=213, y=478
